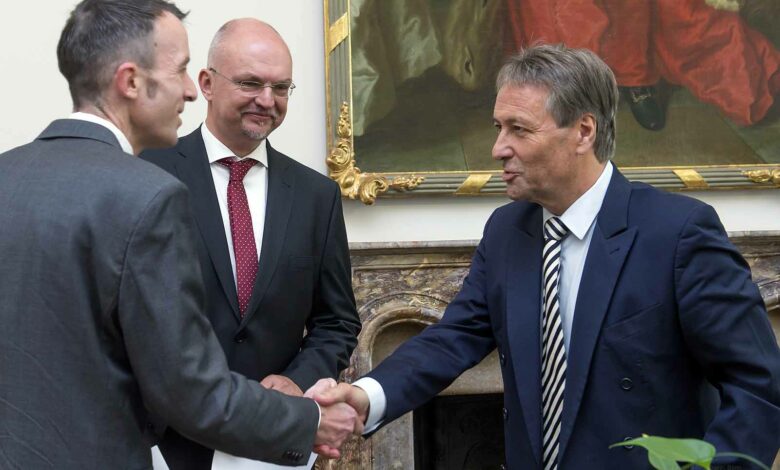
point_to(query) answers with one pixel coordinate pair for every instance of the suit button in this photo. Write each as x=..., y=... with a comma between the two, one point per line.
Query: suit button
x=628, y=439
x=626, y=383
x=240, y=337
x=502, y=359
x=506, y=414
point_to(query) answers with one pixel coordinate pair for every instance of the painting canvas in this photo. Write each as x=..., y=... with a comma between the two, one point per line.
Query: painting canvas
x=699, y=81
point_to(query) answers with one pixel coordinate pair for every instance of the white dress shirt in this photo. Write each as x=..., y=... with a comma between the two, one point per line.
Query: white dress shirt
x=123, y=142
x=255, y=185
x=580, y=218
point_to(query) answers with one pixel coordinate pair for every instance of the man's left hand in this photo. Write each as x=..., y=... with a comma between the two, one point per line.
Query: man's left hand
x=282, y=384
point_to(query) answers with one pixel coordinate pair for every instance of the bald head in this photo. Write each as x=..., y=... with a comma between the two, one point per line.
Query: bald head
x=245, y=51
x=240, y=30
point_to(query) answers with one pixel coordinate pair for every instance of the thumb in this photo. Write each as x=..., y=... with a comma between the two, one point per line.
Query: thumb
x=333, y=395
x=322, y=384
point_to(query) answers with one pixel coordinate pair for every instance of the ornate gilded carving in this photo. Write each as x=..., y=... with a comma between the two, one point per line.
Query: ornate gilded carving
x=406, y=182
x=764, y=176
x=353, y=183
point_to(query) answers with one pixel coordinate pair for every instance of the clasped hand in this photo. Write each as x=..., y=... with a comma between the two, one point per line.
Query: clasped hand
x=344, y=411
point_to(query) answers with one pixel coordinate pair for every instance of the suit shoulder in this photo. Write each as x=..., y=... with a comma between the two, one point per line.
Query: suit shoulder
x=512, y=211
x=313, y=179
x=651, y=203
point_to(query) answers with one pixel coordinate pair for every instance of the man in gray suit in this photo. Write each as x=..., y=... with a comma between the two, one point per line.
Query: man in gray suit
x=97, y=354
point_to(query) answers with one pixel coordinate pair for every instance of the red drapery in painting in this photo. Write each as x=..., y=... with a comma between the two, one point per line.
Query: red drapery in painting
x=713, y=53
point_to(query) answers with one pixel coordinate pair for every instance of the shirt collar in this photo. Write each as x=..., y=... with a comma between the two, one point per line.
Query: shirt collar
x=216, y=150
x=123, y=142
x=580, y=215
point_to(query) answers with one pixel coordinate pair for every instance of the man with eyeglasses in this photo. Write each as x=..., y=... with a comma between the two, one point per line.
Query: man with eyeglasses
x=273, y=245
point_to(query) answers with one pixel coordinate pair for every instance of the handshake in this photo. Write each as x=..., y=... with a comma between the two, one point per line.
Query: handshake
x=344, y=412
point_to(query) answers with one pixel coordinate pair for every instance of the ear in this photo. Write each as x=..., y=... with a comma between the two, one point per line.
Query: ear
x=127, y=80
x=586, y=134
x=206, y=82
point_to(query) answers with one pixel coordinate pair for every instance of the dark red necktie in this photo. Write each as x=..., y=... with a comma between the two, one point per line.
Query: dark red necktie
x=244, y=248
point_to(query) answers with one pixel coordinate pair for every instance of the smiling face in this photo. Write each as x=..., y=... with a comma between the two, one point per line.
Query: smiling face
x=249, y=51
x=167, y=86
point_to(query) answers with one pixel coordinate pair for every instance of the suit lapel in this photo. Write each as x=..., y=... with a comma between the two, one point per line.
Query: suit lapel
x=281, y=183
x=609, y=246
x=195, y=172
x=523, y=311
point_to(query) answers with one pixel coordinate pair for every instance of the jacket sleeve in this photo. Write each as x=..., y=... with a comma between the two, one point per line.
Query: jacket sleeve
x=725, y=325
x=180, y=368
x=426, y=364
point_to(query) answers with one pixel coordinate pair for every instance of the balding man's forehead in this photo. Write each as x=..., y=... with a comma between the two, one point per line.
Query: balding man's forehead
x=248, y=32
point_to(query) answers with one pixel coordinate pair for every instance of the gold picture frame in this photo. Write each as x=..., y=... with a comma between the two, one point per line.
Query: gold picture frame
x=367, y=184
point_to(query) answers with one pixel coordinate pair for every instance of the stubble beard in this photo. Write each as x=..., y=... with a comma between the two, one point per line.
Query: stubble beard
x=259, y=135
x=254, y=135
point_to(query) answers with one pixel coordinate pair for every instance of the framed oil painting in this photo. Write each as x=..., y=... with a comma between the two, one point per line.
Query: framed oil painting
x=410, y=89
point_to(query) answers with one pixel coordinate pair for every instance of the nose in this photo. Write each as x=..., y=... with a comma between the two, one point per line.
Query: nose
x=501, y=150
x=265, y=98
x=190, y=92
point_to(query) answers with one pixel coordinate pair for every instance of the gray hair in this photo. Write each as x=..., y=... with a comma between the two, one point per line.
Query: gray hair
x=578, y=83
x=101, y=34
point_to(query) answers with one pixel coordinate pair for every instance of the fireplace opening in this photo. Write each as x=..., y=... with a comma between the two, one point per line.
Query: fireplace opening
x=460, y=432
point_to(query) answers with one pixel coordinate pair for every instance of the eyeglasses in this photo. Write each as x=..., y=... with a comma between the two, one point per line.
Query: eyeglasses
x=252, y=88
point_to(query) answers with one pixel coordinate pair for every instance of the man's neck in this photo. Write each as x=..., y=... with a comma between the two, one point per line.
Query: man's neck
x=117, y=119
x=585, y=180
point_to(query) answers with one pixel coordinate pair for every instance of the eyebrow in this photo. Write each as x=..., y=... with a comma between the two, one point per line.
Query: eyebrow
x=511, y=120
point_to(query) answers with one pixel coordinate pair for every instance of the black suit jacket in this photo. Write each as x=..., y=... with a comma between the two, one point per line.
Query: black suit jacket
x=94, y=244
x=301, y=321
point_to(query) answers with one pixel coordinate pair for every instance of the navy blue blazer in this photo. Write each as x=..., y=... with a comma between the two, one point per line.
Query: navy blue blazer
x=670, y=335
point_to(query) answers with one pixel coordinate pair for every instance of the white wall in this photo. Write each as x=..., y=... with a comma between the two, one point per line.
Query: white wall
x=33, y=93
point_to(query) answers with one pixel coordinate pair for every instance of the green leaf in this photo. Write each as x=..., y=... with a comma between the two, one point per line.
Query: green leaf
x=660, y=462
x=664, y=449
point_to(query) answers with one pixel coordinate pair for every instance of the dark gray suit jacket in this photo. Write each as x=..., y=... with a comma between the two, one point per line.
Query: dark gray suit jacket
x=101, y=307
x=303, y=283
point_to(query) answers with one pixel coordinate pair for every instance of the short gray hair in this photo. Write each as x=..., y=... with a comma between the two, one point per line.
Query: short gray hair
x=578, y=82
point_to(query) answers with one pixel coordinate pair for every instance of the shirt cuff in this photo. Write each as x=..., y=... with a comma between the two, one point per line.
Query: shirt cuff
x=377, y=402
x=319, y=416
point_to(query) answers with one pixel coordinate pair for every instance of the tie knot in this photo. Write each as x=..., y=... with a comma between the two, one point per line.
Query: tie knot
x=238, y=168
x=555, y=229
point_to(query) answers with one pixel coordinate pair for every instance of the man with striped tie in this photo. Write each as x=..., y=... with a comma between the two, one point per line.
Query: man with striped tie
x=617, y=309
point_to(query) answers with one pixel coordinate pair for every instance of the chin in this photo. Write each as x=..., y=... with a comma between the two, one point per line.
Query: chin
x=254, y=134
x=515, y=194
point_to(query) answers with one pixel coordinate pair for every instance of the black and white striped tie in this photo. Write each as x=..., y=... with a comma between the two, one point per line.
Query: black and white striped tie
x=553, y=351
